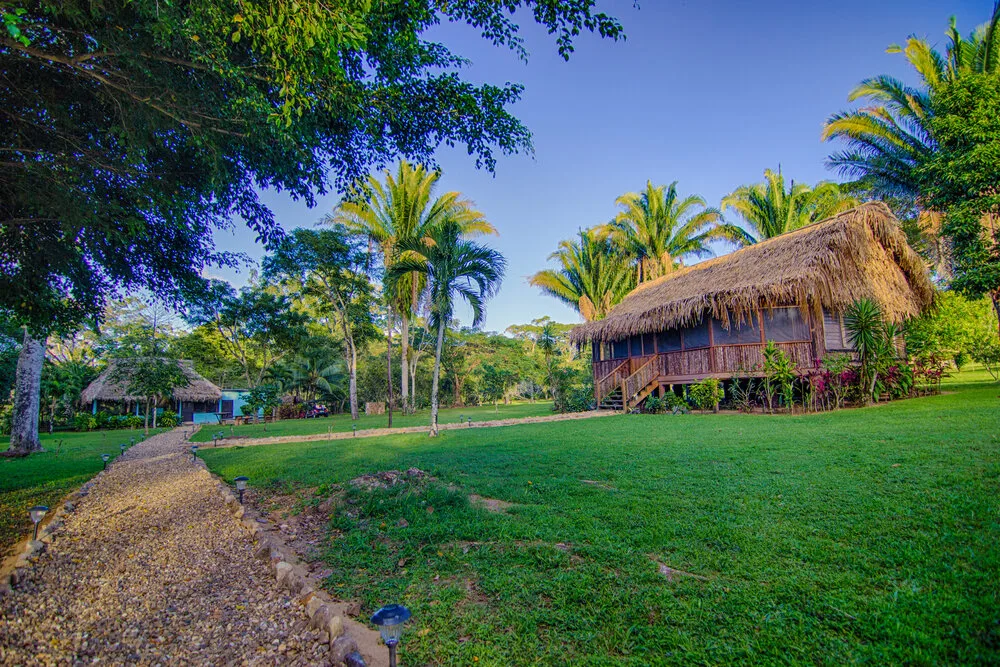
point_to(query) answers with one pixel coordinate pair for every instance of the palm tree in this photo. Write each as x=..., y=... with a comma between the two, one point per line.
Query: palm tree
x=315, y=373
x=452, y=265
x=396, y=214
x=591, y=278
x=770, y=209
x=657, y=228
x=889, y=135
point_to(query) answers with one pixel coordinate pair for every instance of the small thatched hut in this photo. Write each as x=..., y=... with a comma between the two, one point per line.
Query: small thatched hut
x=198, y=398
x=713, y=319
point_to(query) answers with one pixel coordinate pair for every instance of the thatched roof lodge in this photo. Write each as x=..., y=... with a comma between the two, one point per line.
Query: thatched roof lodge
x=712, y=319
x=198, y=396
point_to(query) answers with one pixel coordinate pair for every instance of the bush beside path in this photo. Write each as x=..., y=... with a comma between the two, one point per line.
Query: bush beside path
x=152, y=568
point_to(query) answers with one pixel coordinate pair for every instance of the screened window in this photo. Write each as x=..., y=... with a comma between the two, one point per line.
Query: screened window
x=785, y=324
x=648, y=344
x=668, y=341
x=635, y=343
x=696, y=336
x=737, y=333
x=619, y=349
x=833, y=331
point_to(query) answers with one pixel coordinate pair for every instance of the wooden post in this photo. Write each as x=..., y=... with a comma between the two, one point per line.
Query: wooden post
x=624, y=397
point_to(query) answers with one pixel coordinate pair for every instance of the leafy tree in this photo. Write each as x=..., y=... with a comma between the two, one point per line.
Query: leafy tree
x=770, y=208
x=132, y=132
x=497, y=383
x=260, y=399
x=890, y=135
x=256, y=327
x=955, y=326
x=453, y=266
x=591, y=277
x=657, y=228
x=961, y=179
x=330, y=267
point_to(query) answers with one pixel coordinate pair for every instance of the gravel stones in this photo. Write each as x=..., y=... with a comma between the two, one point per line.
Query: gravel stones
x=153, y=568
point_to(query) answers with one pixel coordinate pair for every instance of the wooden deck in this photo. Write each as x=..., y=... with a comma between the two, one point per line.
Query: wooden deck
x=688, y=366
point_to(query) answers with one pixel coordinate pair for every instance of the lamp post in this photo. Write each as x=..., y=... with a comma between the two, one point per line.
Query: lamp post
x=104, y=458
x=37, y=513
x=390, y=620
x=241, y=485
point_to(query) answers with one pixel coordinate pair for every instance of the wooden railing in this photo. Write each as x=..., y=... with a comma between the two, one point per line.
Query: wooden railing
x=610, y=382
x=639, y=380
x=690, y=365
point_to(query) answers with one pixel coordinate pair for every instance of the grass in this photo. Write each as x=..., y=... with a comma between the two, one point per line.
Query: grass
x=44, y=478
x=859, y=536
x=343, y=423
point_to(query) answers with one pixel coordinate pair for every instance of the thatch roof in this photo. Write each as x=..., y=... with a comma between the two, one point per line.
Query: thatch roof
x=109, y=388
x=861, y=253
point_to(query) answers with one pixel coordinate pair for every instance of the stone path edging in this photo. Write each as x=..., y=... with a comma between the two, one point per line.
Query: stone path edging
x=350, y=641
x=377, y=432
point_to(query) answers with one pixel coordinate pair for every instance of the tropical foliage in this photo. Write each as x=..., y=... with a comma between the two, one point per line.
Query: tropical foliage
x=657, y=228
x=591, y=278
x=771, y=207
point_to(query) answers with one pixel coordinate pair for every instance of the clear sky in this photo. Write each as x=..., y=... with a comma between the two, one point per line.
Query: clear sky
x=705, y=92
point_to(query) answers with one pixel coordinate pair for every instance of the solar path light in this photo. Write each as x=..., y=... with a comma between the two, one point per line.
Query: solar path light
x=390, y=620
x=105, y=458
x=122, y=447
x=470, y=422
x=194, y=452
x=241, y=485
x=37, y=513
x=131, y=441
x=355, y=427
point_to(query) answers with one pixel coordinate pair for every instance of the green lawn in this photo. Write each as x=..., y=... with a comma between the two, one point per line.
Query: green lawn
x=856, y=536
x=44, y=478
x=343, y=423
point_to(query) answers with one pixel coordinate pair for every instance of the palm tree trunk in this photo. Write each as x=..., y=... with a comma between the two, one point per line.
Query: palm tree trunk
x=388, y=365
x=27, y=398
x=404, y=370
x=437, y=374
x=352, y=372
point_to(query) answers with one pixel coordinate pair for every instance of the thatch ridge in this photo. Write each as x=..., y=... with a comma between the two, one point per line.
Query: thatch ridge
x=857, y=254
x=106, y=388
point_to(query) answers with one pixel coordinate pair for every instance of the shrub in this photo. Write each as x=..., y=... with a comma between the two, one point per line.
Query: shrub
x=779, y=376
x=133, y=422
x=290, y=411
x=987, y=352
x=103, y=420
x=672, y=402
x=168, y=419
x=707, y=394
x=654, y=405
x=577, y=399
x=84, y=422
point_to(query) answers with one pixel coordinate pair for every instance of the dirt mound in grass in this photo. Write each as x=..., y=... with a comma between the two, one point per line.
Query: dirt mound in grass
x=389, y=478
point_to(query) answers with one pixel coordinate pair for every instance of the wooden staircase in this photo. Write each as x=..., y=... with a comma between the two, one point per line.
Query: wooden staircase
x=620, y=391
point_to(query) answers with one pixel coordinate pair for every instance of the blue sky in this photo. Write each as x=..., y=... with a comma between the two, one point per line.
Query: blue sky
x=705, y=92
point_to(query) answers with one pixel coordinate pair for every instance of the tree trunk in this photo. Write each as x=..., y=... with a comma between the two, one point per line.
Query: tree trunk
x=145, y=418
x=995, y=295
x=154, y=413
x=352, y=372
x=52, y=415
x=437, y=374
x=404, y=366
x=388, y=365
x=27, y=398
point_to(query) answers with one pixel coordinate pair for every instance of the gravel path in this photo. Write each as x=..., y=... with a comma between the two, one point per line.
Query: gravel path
x=153, y=569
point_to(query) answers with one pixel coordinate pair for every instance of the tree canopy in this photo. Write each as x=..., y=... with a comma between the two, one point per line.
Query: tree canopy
x=134, y=128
